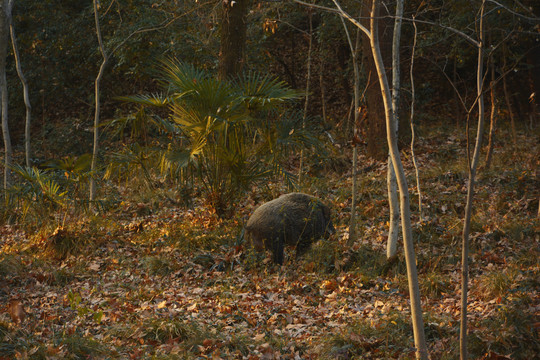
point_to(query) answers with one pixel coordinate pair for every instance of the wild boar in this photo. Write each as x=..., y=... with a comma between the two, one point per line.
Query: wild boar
x=294, y=219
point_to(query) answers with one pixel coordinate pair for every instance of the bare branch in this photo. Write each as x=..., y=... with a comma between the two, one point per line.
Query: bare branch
x=535, y=19
x=163, y=25
x=456, y=31
x=338, y=11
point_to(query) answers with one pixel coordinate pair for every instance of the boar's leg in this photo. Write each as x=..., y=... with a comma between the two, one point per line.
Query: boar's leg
x=278, y=250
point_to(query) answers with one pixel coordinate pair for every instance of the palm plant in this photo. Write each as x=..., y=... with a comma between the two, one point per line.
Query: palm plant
x=39, y=193
x=58, y=187
x=230, y=134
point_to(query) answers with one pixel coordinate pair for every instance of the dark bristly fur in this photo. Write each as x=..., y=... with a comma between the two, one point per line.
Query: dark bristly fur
x=292, y=219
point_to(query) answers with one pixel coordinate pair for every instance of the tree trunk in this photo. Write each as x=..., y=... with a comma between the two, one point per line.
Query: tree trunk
x=26, y=96
x=352, y=224
x=306, y=103
x=413, y=133
x=321, y=85
x=95, y=152
x=533, y=61
x=507, y=98
x=492, y=118
x=233, y=38
x=393, y=201
x=470, y=189
x=412, y=275
x=376, y=130
x=356, y=109
x=457, y=108
x=5, y=18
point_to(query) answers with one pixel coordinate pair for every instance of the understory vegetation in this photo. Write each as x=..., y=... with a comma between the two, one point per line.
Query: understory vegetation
x=140, y=137
x=158, y=274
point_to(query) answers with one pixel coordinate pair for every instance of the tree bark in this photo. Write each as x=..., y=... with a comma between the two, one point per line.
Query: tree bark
x=492, y=118
x=507, y=97
x=413, y=133
x=306, y=102
x=356, y=109
x=470, y=189
x=5, y=19
x=412, y=275
x=233, y=38
x=95, y=152
x=377, y=148
x=393, y=201
x=27, y=124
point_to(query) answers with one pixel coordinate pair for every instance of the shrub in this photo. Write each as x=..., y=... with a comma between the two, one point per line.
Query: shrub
x=227, y=134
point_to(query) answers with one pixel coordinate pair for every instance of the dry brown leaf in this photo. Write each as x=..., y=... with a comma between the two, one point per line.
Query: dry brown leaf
x=16, y=311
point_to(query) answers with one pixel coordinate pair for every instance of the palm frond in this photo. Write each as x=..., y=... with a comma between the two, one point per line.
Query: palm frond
x=41, y=185
x=72, y=164
x=165, y=125
x=146, y=99
x=179, y=77
x=264, y=91
x=180, y=158
x=30, y=174
x=289, y=178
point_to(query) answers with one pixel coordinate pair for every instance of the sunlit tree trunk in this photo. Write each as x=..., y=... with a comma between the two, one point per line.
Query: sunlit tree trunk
x=492, y=118
x=5, y=19
x=412, y=275
x=95, y=152
x=391, y=182
x=233, y=38
x=470, y=189
x=27, y=124
x=413, y=133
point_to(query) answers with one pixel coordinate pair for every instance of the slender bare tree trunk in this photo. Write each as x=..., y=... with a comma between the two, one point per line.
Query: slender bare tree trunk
x=492, y=118
x=352, y=224
x=507, y=97
x=356, y=108
x=323, y=96
x=5, y=19
x=28, y=122
x=457, y=108
x=470, y=189
x=306, y=103
x=95, y=151
x=391, y=182
x=412, y=275
x=412, y=126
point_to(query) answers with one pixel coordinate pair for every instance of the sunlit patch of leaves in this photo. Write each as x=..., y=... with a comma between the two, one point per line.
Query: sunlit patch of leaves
x=63, y=242
x=434, y=285
x=10, y=265
x=163, y=330
x=363, y=259
x=81, y=347
x=322, y=256
x=389, y=337
x=158, y=265
x=510, y=330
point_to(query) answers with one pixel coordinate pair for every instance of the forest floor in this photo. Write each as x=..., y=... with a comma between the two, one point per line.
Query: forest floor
x=149, y=280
